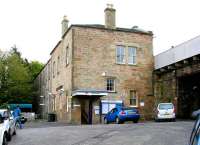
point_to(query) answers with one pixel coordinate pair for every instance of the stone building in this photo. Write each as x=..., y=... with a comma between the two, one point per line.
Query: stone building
x=177, y=77
x=96, y=67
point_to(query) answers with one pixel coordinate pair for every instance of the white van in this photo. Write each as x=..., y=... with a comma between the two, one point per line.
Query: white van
x=165, y=111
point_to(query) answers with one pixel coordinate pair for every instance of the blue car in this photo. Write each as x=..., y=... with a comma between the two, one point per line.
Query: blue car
x=122, y=114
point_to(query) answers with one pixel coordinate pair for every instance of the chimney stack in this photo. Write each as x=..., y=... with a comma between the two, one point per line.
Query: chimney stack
x=64, y=25
x=110, y=17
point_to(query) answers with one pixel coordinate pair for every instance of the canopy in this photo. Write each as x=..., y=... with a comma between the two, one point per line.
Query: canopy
x=22, y=106
x=89, y=92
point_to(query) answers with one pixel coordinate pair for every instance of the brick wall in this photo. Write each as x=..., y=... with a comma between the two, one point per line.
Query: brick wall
x=95, y=53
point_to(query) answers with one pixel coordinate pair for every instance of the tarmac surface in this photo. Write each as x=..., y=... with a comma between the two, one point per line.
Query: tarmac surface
x=150, y=133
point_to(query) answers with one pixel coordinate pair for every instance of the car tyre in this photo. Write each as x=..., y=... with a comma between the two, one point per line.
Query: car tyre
x=5, y=140
x=105, y=121
x=9, y=136
x=135, y=121
x=15, y=131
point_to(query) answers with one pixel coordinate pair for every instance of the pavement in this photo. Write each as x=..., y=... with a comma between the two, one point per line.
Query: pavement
x=149, y=133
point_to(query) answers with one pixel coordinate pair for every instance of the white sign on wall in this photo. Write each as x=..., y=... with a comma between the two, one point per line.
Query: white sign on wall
x=108, y=105
x=142, y=104
x=96, y=110
x=105, y=108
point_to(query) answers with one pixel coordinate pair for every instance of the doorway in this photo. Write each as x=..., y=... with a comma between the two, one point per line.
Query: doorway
x=86, y=110
x=188, y=95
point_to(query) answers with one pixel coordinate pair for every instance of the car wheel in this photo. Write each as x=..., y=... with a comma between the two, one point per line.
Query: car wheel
x=117, y=120
x=105, y=121
x=135, y=121
x=5, y=140
x=15, y=131
x=9, y=136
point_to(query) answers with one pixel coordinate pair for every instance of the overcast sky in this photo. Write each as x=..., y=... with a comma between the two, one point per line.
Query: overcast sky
x=35, y=25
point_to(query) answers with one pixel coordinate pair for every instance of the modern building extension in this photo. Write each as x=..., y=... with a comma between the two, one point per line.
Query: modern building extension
x=177, y=77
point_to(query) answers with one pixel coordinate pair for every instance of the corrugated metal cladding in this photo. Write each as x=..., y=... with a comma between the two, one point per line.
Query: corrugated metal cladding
x=183, y=51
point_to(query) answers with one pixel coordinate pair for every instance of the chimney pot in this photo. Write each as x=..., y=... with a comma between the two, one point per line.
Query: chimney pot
x=110, y=6
x=135, y=27
x=64, y=23
x=110, y=16
x=64, y=17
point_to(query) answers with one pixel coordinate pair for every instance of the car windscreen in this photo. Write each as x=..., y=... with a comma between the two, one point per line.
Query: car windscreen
x=165, y=106
x=2, y=113
x=128, y=108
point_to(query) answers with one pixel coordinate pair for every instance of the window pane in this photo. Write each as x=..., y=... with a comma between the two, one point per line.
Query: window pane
x=165, y=106
x=110, y=85
x=120, y=54
x=132, y=55
x=67, y=55
x=133, y=102
x=133, y=98
x=49, y=72
x=58, y=65
x=54, y=63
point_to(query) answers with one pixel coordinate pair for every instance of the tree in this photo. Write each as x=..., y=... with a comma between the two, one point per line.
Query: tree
x=16, y=78
x=35, y=67
x=3, y=84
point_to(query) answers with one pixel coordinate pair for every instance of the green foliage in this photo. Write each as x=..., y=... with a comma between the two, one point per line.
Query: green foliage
x=16, y=78
x=4, y=106
x=35, y=68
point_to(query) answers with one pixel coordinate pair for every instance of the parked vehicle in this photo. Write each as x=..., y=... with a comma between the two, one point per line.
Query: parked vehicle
x=122, y=114
x=3, y=133
x=165, y=111
x=195, y=136
x=9, y=123
x=195, y=114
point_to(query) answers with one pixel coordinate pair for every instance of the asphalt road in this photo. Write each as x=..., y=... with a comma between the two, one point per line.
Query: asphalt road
x=164, y=133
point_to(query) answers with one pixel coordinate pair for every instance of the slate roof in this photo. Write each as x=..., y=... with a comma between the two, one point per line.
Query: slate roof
x=98, y=26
